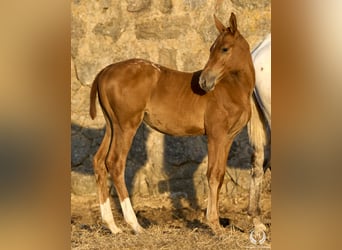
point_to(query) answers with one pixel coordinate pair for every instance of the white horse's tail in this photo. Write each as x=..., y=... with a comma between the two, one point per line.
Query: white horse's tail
x=258, y=138
x=257, y=125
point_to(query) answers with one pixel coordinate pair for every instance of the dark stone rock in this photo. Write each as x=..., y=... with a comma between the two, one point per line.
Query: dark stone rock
x=80, y=146
x=181, y=150
x=138, y=151
x=165, y=6
x=82, y=184
x=167, y=57
x=77, y=33
x=112, y=28
x=86, y=71
x=93, y=133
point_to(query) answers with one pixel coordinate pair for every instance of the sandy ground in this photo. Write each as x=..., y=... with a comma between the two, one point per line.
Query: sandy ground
x=168, y=227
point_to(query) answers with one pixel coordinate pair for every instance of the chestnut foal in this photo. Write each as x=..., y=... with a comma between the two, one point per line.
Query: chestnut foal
x=215, y=101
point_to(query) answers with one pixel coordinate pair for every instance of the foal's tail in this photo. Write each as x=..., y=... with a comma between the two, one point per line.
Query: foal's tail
x=93, y=92
x=257, y=126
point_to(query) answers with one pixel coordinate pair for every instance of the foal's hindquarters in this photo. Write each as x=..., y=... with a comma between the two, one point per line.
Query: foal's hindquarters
x=123, y=103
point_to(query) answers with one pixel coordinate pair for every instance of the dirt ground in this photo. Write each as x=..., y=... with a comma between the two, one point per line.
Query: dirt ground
x=167, y=227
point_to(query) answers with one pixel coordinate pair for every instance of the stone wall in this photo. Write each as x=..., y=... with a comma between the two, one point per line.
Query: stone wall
x=174, y=33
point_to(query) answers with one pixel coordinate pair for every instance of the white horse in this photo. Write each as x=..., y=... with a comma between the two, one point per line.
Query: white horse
x=261, y=56
x=257, y=127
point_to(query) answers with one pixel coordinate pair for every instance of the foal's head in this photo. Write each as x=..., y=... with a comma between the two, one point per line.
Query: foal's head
x=229, y=54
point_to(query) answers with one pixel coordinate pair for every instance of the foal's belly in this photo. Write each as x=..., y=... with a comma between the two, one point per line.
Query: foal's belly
x=175, y=123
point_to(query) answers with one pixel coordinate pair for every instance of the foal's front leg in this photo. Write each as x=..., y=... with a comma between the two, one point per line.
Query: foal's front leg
x=218, y=148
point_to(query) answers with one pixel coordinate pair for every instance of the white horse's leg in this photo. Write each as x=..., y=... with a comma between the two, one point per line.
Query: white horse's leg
x=257, y=175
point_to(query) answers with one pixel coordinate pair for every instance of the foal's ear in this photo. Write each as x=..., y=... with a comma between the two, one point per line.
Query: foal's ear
x=232, y=23
x=220, y=27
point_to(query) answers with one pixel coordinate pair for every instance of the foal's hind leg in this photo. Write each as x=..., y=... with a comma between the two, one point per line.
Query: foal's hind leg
x=101, y=181
x=116, y=163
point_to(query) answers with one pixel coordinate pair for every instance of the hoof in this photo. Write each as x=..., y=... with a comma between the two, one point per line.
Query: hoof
x=258, y=225
x=215, y=227
x=115, y=230
x=139, y=230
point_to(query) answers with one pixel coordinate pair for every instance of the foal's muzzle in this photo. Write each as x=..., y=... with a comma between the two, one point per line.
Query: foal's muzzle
x=207, y=82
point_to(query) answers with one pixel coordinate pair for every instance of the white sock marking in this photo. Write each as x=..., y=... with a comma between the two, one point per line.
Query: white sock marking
x=129, y=215
x=107, y=217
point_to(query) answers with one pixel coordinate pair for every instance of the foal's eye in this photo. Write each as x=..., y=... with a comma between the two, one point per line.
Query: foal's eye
x=225, y=49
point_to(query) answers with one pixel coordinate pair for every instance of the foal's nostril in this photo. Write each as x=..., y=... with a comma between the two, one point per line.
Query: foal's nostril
x=201, y=81
x=207, y=83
